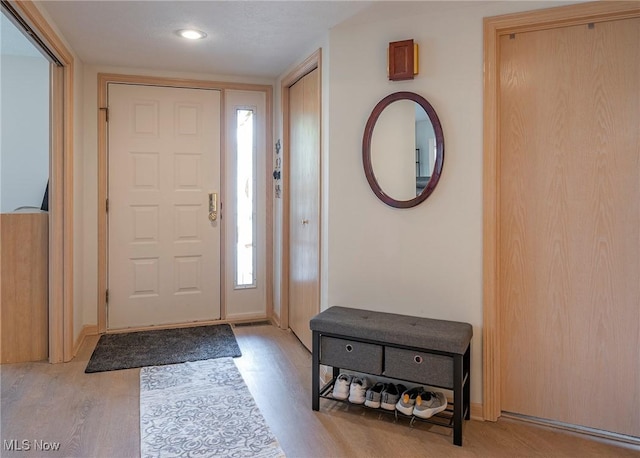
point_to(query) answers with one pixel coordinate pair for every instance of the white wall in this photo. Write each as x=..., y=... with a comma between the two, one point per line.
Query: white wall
x=24, y=165
x=425, y=261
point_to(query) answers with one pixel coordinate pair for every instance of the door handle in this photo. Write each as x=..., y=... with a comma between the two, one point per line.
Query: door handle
x=213, y=206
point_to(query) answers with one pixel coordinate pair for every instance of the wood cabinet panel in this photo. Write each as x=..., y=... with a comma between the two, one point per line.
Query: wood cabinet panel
x=24, y=287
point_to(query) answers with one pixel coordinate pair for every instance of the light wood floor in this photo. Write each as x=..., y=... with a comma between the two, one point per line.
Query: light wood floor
x=96, y=415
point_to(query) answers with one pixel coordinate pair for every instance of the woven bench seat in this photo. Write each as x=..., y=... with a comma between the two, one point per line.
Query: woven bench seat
x=404, y=330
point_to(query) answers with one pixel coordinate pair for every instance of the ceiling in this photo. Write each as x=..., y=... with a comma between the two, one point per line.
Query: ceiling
x=245, y=38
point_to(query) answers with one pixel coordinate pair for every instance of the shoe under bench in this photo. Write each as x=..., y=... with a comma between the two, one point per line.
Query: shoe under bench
x=425, y=351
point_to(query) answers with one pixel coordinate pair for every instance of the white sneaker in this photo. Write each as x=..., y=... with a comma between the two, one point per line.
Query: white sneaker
x=430, y=403
x=358, y=390
x=341, y=387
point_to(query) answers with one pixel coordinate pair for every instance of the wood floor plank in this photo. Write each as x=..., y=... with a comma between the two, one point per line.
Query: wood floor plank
x=97, y=415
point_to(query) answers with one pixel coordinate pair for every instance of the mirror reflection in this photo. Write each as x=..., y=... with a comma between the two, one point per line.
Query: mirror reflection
x=403, y=149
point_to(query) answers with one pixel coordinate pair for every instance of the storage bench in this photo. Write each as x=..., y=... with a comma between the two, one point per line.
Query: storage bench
x=420, y=350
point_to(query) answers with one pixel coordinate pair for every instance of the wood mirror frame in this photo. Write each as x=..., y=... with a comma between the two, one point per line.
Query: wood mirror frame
x=366, y=149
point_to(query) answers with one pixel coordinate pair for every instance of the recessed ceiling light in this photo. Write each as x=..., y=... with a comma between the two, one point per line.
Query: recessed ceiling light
x=191, y=34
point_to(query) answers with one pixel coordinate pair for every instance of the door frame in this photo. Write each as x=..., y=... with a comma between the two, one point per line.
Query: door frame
x=61, y=307
x=103, y=81
x=494, y=28
x=314, y=61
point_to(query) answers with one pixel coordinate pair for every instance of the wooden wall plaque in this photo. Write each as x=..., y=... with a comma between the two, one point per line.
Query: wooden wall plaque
x=402, y=60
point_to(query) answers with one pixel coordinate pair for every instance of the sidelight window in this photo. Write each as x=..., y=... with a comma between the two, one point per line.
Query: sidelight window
x=245, y=218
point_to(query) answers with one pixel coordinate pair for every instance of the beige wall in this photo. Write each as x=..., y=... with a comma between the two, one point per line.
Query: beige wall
x=425, y=261
x=24, y=89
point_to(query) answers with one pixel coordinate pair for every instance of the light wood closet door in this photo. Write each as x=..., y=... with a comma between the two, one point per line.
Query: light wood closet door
x=570, y=225
x=304, y=208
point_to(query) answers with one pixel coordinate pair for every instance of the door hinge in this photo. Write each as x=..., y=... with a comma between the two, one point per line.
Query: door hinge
x=106, y=113
x=107, y=206
x=106, y=296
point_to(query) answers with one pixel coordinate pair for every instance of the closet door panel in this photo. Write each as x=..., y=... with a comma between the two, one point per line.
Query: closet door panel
x=570, y=225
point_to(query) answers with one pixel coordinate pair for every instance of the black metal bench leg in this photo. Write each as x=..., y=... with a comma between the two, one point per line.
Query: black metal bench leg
x=467, y=386
x=315, y=372
x=458, y=398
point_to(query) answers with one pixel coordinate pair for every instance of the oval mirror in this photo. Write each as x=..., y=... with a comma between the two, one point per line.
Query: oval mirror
x=403, y=149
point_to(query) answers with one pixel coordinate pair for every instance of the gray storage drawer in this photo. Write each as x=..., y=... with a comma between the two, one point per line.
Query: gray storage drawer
x=349, y=354
x=418, y=367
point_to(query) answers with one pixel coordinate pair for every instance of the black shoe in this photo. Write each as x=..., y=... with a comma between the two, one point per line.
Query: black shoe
x=390, y=396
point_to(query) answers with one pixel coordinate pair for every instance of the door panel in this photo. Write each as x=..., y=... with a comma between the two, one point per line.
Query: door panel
x=570, y=225
x=245, y=301
x=164, y=253
x=304, y=210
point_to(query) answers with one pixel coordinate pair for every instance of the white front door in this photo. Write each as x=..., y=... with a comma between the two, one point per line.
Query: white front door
x=164, y=169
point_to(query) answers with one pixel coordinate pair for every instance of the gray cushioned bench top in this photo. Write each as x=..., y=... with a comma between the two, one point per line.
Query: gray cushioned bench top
x=411, y=331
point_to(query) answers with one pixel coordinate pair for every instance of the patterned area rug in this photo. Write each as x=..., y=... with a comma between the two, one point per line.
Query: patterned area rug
x=201, y=409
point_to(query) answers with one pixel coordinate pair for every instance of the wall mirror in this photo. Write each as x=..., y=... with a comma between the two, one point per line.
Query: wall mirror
x=403, y=149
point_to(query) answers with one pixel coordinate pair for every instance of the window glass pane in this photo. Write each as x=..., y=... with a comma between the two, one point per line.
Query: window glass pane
x=245, y=199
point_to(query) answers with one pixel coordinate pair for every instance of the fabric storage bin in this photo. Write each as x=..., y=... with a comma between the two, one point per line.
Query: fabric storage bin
x=357, y=356
x=415, y=366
